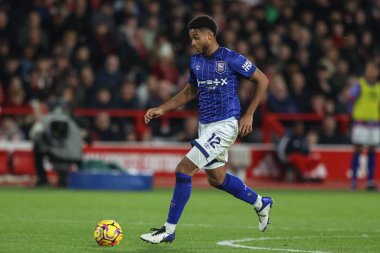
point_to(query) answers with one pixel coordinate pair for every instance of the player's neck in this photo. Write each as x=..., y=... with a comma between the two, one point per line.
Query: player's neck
x=371, y=81
x=213, y=47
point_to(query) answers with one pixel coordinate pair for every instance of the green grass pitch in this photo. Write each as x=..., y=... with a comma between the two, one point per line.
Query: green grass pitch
x=51, y=220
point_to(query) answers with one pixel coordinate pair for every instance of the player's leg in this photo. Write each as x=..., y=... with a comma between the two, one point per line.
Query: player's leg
x=359, y=137
x=358, y=149
x=371, y=157
x=39, y=165
x=373, y=141
x=218, y=178
x=182, y=190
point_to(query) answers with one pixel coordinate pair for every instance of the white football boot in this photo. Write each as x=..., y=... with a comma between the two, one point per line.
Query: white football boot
x=263, y=213
x=158, y=235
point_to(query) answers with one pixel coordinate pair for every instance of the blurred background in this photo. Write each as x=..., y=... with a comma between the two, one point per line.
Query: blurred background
x=107, y=61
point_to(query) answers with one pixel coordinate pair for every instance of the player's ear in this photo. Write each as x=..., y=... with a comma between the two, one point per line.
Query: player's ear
x=210, y=35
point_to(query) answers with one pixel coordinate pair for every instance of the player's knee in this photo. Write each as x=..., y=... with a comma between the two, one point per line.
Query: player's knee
x=215, y=181
x=186, y=167
x=181, y=169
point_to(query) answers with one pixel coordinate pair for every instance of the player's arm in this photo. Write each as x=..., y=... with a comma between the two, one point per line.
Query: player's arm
x=245, y=124
x=353, y=95
x=188, y=93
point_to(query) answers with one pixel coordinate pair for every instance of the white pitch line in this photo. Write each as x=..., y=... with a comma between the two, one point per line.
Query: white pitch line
x=231, y=243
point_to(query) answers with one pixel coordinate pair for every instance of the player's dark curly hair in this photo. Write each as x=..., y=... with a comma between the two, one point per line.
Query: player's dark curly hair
x=203, y=22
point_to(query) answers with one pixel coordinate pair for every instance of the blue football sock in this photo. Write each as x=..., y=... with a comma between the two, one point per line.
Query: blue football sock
x=181, y=195
x=371, y=165
x=236, y=187
x=355, y=167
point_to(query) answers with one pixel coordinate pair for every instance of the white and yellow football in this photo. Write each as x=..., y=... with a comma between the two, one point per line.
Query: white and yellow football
x=108, y=233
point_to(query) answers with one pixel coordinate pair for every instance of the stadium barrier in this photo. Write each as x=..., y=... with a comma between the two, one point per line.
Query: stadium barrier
x=4, y=162
x=161, y=159
x=271, y=123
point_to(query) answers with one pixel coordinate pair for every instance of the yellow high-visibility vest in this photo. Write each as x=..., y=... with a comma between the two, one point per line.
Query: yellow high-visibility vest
x=367, y=105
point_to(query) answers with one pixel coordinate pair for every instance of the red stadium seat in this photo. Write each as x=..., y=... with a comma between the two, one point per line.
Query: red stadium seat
x=4, y=166
x=23, y=163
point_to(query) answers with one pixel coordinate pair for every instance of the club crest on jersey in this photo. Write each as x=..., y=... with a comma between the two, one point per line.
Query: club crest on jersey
x=221, y=67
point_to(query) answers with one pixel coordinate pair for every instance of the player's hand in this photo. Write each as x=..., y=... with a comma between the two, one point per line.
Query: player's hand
x=153, y=113
x=245, y=125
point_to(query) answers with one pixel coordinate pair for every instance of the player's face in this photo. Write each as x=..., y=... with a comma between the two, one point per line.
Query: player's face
x=200, y=39
x=371, y=72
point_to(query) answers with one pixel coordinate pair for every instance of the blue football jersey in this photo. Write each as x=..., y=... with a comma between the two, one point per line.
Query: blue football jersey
x=216, y=77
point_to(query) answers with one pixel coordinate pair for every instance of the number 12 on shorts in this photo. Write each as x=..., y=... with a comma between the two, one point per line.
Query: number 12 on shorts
x=213, y=140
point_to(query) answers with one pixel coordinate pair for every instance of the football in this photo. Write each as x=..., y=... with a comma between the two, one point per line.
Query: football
x=108, y=233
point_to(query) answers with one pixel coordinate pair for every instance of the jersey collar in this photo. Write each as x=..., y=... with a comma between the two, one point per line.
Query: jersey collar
x=213, y=54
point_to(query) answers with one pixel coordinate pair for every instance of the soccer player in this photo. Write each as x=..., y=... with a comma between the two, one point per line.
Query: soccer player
x=213, y=78
x=366, y=122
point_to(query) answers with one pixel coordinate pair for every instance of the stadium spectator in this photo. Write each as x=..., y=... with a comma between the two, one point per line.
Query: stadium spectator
x=318, y=104
x=32, y=33
x=127, y=98
x=15, y=94
x=82, y=57
x=293, y=152
x=126, y=9
x=11, y=68
x=164, y=68
x=86, y=89
x=40, y=79
x=190, y=131
x=147, y=90
x=179, y=38
x=125, y=38
x=4, y=26
x=339, y=78
x=322, y=83
x=104, y=129
x=9, y=130
x=329, y=133
x=27, y=61
x=299, y=91
x=104, y=14
x=111, y=77
x=103, y=43
x=79, y=20
x=279, y=99
x=68, y=88
x=69, y=42
x=102, y=100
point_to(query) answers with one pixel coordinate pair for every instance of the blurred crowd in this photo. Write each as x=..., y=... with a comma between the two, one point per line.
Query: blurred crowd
x=134, y=54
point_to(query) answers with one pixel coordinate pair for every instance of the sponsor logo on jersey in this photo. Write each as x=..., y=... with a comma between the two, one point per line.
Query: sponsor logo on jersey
x=212, y=84
x=247, y=65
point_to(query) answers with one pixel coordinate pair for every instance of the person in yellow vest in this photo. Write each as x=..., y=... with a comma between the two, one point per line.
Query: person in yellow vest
x=366, y=122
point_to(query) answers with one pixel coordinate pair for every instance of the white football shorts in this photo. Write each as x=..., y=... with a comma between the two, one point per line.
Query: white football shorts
x=210, y=150
x=368, y=135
